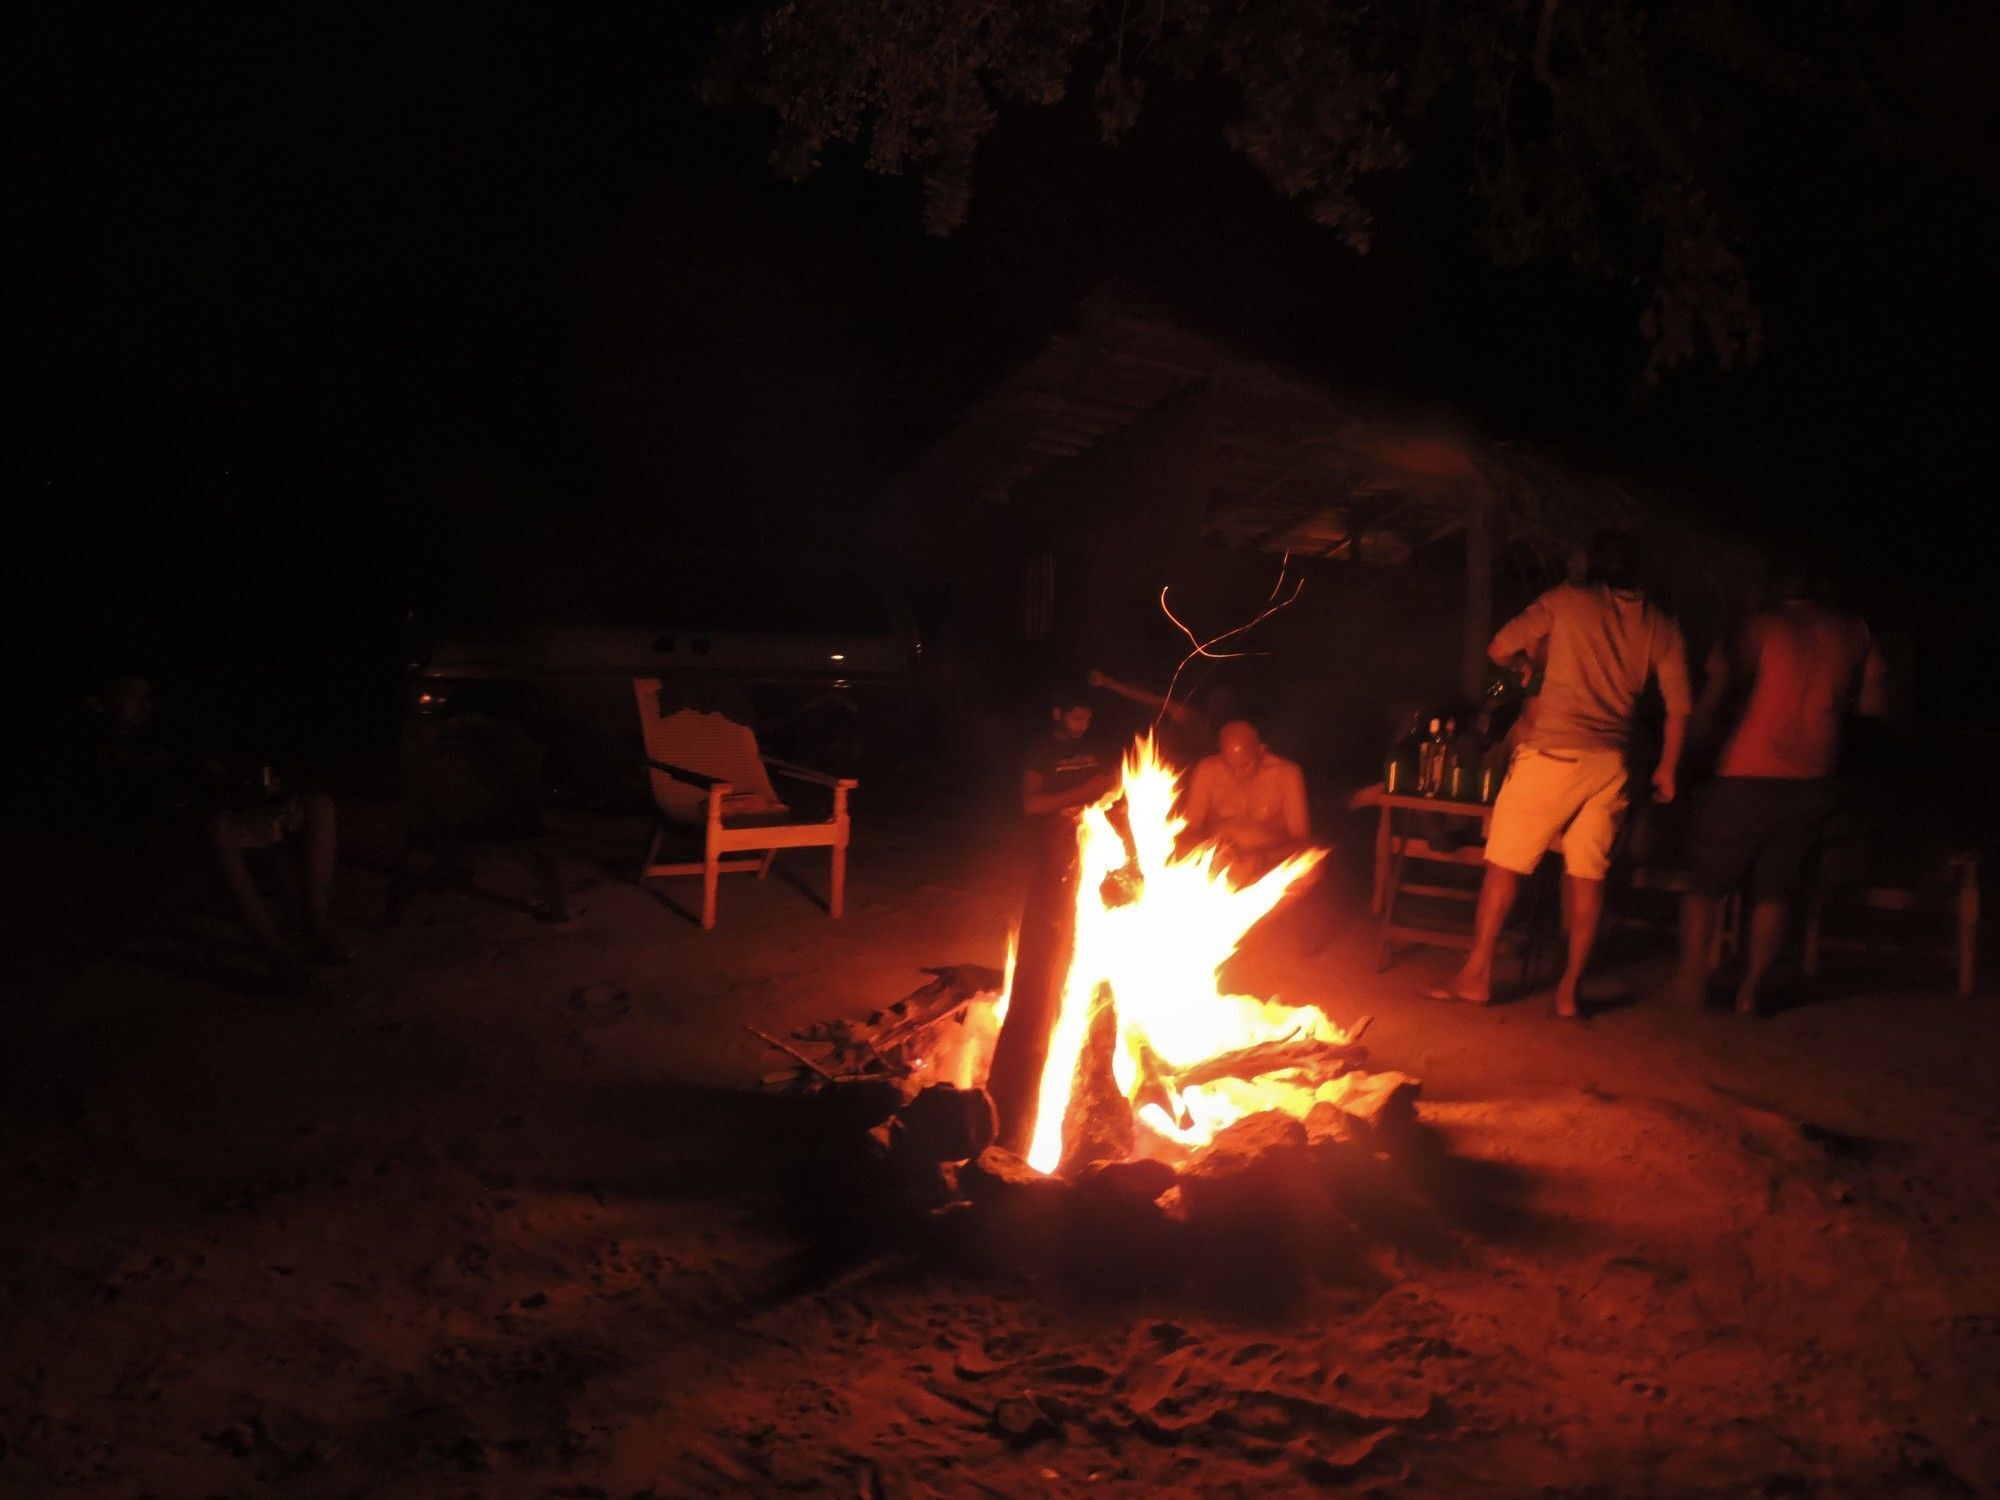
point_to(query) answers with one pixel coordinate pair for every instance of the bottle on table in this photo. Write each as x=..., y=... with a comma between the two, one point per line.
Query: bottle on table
x=1462, y=761
x=1432, y=756
x=1400, y=769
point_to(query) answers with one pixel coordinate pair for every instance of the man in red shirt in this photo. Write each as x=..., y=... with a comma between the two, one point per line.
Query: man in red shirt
x=1804, y=667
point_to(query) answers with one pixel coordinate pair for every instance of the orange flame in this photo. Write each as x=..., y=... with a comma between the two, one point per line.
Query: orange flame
x=1159, y=955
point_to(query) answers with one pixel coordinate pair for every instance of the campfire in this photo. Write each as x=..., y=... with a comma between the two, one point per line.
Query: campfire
x=1154, y=927
x=1149, y=1059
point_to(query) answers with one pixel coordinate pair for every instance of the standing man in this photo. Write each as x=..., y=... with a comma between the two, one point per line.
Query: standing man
x=1065, y=772
x=1567, y=780
x=1250, y=801
x=1806, y=665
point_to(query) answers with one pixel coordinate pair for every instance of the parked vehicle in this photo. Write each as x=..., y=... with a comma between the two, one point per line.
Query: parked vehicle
x=816, y=659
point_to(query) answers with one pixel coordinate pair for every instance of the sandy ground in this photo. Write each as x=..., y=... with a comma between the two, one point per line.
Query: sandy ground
x=498, y=1210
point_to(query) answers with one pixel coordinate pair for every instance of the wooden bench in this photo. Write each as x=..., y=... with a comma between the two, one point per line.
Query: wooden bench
x=1954, y=883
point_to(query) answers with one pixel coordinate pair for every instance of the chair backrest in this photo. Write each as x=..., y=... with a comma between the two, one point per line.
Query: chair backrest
x=705, y=742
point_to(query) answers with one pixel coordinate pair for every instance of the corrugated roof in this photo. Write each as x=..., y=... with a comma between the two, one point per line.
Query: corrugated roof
x=1298, y=466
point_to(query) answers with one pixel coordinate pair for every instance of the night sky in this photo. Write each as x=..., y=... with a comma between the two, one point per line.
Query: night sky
x=334, y=316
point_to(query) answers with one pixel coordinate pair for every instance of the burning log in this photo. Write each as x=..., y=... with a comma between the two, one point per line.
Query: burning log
x=950, y=991
x=849, y=1050
x=1048, y=937
x=1382, y=1102
x=1318, y=1060
x=1097, y=1126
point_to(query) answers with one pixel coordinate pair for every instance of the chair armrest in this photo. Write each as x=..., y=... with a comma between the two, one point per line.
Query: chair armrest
x=692, y=778
x=806, y=773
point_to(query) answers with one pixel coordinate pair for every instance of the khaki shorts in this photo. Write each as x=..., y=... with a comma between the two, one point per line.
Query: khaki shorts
x=1575, y=796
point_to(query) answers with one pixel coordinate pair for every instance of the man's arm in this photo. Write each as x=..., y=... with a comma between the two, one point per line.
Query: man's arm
x=1196, y=805
x=1714, y=684
x=1039, y=803
x=1298, y=823
x=1871, y=700
x=1522, y=634
x=1036, y=802
x=1672, y=671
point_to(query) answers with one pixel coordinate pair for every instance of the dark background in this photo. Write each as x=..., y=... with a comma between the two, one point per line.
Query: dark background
x=332, y=316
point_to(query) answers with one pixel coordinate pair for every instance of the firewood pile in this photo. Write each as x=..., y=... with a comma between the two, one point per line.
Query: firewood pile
x=1271, y=1199
x=888, y=1042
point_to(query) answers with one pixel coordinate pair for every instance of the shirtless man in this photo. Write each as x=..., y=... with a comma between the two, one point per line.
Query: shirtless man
x=1805, y=665
x=1250, y=801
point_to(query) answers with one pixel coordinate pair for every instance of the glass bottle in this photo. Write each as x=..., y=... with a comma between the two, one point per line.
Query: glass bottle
x=1400, y=769
x=1430, y=766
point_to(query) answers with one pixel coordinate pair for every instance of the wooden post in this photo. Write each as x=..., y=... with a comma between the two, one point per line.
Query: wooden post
x=837, y=895
x=1041, y=966
x=711, y=860
x=1968, y=921
x=1478, y=593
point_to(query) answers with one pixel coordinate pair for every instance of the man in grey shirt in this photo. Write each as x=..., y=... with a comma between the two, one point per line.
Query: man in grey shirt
x=1566, y=783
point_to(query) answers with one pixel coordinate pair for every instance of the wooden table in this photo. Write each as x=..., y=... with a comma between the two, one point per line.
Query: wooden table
x=1386, y=839
x=1394, y=848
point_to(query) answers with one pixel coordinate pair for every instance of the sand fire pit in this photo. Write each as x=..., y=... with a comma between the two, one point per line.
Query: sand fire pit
x=1165, y=1104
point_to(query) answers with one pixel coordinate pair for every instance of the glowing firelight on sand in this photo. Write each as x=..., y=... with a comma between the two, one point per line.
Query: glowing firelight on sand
x=1158, y=957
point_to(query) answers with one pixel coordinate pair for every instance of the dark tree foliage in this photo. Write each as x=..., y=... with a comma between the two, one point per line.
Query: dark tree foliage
x=1610, y=134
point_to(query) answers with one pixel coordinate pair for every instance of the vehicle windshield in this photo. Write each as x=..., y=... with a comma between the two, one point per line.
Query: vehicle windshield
x=765, y=599
x=688, y=591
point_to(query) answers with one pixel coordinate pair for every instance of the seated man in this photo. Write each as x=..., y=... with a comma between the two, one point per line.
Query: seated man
x=144, y=782
x=262, y=814
x=1248, y=800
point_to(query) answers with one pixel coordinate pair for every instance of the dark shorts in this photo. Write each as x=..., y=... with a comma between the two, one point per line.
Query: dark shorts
x=1759, y=831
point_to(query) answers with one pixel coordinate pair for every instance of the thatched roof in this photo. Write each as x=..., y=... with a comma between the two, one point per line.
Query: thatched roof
x=1296, y=465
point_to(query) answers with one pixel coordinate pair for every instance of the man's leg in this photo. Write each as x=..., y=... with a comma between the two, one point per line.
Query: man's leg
x=1497, y=889
x=1536, y=800
x=1768, y=915
x=1698, y=917
x=1586, y=907
x=249, y=902
x=1586, y=845
x=1800, y=810
x=322, y=853
x=1725, y=838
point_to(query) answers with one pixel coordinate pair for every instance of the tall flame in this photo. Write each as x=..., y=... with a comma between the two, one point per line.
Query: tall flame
x=1158, y=956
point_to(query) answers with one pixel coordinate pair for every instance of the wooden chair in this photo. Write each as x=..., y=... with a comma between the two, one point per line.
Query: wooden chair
x=708, y=776
x=1953, y=882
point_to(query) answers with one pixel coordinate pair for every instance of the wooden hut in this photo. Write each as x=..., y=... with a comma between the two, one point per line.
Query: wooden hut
x=1131, y=454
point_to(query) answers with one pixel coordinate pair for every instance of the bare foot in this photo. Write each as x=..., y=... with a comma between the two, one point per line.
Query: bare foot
x=1566, y=1005
x=1747, y=1004
x=1460, y=987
